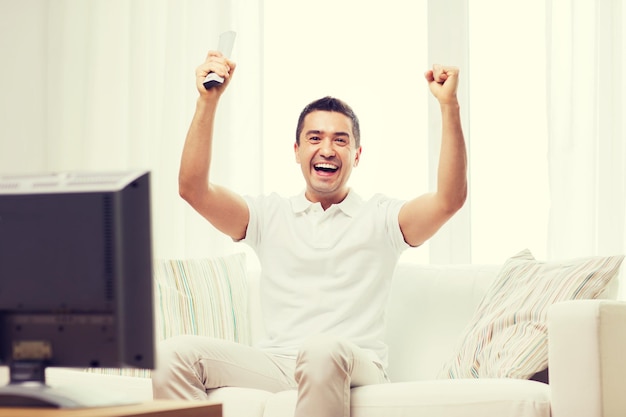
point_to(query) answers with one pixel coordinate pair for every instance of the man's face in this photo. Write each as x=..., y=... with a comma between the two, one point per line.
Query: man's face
x=326, y=154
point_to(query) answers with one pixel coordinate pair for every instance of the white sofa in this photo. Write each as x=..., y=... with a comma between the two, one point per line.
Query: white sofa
x=428, y=309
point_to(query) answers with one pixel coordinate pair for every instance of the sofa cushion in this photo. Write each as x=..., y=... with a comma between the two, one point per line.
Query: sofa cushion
x=437, y=398
x=507, y=336
x=237, y=401
x=207, y=297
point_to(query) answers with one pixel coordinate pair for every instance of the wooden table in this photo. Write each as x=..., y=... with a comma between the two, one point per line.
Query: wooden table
x=160, y=408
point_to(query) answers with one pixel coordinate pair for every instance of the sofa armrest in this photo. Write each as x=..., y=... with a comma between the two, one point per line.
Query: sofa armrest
x=587, y=349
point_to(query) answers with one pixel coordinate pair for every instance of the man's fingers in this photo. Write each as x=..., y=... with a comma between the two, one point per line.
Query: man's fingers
x=230, y=67
x=441, y=73
x=437, y=73
x=217, y=63
x=213, y=53
x=443, y=82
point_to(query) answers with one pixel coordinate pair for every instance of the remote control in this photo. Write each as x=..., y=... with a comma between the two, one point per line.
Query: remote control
x=225, y=46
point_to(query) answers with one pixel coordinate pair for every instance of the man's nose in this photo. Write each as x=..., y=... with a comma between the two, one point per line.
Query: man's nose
x=327, y=148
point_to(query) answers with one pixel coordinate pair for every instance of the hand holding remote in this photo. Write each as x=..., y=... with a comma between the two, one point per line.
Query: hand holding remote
x=225, y=46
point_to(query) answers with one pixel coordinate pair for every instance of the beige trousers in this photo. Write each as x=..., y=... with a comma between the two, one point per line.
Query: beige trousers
x=324, y=371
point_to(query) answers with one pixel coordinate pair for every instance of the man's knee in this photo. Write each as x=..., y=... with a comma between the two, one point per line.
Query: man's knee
x=173, y=348
x=175, y=374
x=173, y=355
x=324, y=357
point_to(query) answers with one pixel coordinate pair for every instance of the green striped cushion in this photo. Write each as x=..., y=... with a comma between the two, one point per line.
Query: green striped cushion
x=507, y=336
x=206, y=297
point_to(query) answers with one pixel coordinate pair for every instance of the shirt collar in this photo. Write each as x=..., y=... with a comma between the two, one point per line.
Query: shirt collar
x=350, y=204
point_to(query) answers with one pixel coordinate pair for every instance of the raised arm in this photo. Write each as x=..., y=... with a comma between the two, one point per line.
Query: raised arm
x=421, y=217
x=226, y=210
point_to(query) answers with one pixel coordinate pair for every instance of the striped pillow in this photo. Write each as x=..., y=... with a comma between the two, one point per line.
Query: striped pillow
x=507, y=336
x=207, y=297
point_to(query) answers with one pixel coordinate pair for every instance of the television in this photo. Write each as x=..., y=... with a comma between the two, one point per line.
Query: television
x=75, y=281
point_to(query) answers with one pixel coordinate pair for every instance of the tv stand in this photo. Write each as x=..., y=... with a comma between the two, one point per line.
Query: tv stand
x=28, y=388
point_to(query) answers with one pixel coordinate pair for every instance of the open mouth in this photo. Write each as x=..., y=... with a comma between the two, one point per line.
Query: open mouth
x=325, y=167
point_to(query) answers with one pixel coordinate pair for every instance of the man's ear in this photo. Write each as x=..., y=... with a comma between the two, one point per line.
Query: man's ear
x=295, y=151
x=357, y=157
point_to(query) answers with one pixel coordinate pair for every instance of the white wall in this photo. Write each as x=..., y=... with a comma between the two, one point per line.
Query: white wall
x=22, y=90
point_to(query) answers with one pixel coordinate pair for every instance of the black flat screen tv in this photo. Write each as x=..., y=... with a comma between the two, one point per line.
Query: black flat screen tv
x=75, y=281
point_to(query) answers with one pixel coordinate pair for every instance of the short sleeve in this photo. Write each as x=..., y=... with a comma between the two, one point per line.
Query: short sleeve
x=392, y=209
x=252, y=231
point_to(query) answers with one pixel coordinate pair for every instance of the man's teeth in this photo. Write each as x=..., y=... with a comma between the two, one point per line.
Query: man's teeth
x=325, y=167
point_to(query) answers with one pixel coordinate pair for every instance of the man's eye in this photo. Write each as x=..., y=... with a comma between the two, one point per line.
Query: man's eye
x=341, y=141
x=314, y=139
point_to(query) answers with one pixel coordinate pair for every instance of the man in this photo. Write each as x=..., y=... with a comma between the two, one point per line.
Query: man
x=327, y=256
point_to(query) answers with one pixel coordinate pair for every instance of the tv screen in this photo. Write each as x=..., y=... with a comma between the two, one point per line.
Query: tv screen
x=75, y=277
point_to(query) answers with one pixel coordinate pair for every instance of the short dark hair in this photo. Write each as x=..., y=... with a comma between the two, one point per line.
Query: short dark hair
x=333, y=105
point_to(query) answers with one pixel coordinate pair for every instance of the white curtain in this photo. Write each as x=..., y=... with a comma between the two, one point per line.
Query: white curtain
x=587, y=134
x=116, y=90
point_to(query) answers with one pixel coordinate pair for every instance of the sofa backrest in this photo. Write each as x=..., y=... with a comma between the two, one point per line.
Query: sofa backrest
x=429, y=306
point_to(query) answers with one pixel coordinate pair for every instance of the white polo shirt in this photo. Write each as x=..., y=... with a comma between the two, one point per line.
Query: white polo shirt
x=325, y=272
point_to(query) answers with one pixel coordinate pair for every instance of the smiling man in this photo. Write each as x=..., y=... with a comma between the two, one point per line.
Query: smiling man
x=327, y=149
x=327, y=256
